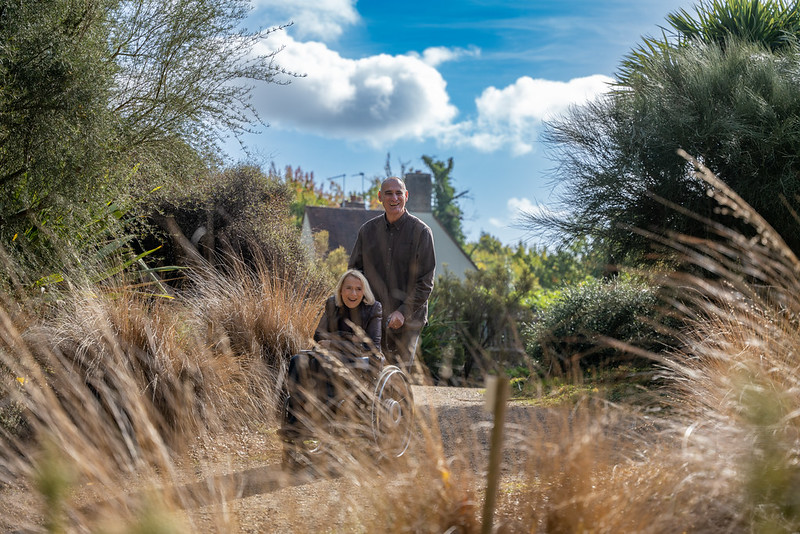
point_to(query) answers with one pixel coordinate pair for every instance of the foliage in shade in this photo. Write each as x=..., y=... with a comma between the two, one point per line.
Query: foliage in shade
x=107, y=100
x=736, y=108
x=239, y=212
x=567, y=337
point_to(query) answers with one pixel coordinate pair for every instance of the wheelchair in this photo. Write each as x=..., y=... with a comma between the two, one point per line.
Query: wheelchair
x=352, y=397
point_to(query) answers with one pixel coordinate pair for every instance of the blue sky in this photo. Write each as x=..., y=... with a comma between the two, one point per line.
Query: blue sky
x=467, y=79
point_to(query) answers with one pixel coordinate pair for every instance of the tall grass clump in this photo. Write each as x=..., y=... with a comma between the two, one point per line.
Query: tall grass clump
x=103, y=395
x=721, y=455
x=257, y=317
x=738, y=375
x=718, y=451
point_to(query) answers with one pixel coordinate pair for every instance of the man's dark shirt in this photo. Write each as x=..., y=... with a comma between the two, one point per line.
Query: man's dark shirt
x=399, y=263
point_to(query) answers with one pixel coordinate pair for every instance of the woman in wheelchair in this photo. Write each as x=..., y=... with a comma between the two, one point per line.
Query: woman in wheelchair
x=349, y=333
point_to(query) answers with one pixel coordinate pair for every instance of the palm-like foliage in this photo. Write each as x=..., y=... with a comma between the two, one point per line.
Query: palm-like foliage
x=774, y=24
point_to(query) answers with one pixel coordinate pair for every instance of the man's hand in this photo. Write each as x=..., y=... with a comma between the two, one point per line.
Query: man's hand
x=396, y=320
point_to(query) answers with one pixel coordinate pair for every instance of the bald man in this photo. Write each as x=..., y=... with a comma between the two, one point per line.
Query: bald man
x=395, y=253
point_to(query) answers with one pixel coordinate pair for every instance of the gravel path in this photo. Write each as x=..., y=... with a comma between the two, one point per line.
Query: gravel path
x=243, y=472
x=265, y=499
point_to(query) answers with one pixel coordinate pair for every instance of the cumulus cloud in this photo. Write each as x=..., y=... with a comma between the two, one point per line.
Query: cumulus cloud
x=436, y=55
x=376, y=99
x=313, y=19
x=385, y=98
x=512, y=116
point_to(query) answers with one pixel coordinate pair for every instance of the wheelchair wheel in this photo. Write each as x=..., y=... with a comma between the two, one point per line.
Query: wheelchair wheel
x=392, y=412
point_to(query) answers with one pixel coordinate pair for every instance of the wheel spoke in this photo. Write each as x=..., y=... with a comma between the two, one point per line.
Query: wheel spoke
x=392, y=412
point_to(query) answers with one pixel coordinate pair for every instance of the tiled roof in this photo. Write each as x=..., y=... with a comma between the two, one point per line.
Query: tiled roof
x=342, y=224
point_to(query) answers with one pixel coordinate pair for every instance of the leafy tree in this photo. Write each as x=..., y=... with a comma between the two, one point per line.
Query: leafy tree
x=307, y=192
x=55, y=124
x=106, y=98
x=539, y=268
x=735, y=108
x=372, y=194
x=445, y=206
x=773, y=23
x=186, y=71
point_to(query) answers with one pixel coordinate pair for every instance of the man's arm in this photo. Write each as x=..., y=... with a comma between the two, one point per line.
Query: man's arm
x=421, y=286
x=357, y=257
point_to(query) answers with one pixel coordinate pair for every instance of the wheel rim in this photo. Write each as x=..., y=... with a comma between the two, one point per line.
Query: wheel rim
x=392, y=412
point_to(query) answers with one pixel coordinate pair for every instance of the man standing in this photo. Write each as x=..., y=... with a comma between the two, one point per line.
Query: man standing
x=395, y=253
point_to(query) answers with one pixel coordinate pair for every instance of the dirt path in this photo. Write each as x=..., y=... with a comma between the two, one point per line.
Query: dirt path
x=264, y=499
x=243, y=471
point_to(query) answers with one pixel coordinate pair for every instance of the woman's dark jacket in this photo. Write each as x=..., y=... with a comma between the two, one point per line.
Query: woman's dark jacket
x=334, y=324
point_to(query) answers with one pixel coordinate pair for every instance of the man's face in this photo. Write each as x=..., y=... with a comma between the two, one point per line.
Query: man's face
x=393, y=196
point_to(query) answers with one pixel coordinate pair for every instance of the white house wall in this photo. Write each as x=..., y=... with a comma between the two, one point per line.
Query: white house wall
x=449, y=255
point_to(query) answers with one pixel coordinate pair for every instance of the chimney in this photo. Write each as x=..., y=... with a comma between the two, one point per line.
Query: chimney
x=354, y=202
x=419, y=189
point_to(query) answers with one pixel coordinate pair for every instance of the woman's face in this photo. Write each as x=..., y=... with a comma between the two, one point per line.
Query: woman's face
x=352, y=291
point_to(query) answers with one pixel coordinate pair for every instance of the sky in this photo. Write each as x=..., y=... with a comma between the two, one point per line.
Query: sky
x=474, y=80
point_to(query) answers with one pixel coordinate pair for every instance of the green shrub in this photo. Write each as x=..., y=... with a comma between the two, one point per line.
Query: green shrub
x=572, y=333
x=472, y=323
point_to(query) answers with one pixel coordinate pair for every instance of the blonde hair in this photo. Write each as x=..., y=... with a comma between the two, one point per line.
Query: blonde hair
x=369, y=297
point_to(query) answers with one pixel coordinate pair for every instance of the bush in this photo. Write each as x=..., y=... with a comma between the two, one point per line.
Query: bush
x=473, y=323
x=573, y=332
x=238, y=213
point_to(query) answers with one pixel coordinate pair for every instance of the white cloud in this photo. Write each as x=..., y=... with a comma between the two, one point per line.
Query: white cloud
x=517, y=209
x=383, y=98
x=522, y=206
x=376, y=99
x=512, y=116
x=436, y=55
x=320, y=19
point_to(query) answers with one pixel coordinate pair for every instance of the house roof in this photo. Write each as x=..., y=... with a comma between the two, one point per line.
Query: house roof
x=342, y=224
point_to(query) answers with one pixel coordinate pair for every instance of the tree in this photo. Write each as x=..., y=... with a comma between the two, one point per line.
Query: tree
x=772, y=23
x=445, y=206
x=734, y=107
x=186, y=71
x=306, y=191
x=54, y=121
x=100, y=99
